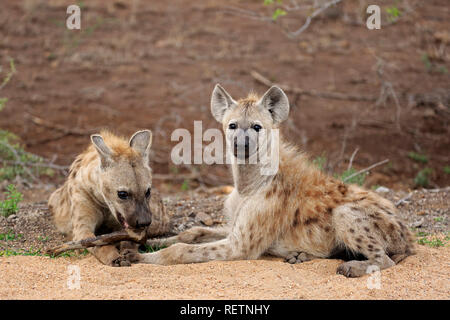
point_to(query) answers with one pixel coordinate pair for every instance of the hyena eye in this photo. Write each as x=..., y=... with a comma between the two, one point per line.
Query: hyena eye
x=147, y=193
x=123, y=195
x=232, y=126
x=256, y=127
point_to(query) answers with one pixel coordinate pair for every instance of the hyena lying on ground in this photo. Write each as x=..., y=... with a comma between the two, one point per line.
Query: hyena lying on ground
x=299, y=213
x=109, y=188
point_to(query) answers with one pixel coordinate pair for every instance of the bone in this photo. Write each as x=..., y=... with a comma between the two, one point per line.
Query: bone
x=102, y=240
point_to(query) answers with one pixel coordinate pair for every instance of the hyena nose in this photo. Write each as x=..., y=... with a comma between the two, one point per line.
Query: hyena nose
x=142, y=223
x=247, y=142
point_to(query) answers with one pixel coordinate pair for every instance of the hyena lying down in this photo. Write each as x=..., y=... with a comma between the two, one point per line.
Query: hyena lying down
x=299, y=213
x=109, y=188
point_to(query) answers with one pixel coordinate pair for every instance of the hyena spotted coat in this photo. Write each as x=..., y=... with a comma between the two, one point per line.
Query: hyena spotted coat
x=109, y=188
x=298, y=213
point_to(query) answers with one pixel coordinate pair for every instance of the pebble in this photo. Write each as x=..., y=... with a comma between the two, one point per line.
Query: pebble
x=11, y=218
x=382, y=190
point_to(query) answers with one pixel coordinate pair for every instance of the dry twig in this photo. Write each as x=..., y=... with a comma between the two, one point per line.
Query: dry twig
x=366, y=169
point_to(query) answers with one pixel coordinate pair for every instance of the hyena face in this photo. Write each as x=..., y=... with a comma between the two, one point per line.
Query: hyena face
x=247, y=122
x=126, y=179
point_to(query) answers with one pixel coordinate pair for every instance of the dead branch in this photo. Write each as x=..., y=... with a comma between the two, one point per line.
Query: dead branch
x=404, y=199
x=102, y=240
x=366, y=169
x=39, y=164
x=309, y=19
x=387, y=90
x=66, y=131
x=352, y=158
x=19, y=161
x=315, y=10
x=312, y=93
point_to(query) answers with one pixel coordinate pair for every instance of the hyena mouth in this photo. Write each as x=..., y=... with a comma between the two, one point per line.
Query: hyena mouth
x=122, y=221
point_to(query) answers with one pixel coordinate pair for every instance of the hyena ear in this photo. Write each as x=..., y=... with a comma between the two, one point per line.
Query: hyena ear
x=277, y=103
x=103, y=150
x=221, y=101
x=141, y=141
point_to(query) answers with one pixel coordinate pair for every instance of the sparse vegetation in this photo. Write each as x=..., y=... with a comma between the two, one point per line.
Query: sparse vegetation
x=15, y=161
x=435, y=241
x=321, y=162
x=433, y=67
x=359, y=179
x=9, y=206
x=186, y=185
x=10, y=236
x=147, y=248
x=418, y=157
x=422, y=177
x=446, y=169
x=393, y=13
x=37, y=252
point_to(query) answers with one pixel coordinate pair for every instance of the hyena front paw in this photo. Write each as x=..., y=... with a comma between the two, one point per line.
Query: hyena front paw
x=121, y=261
x=352, y=269
x=133, y=256
x=298, y=257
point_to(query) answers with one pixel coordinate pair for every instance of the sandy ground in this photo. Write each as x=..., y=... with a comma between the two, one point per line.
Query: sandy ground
x=423, y=276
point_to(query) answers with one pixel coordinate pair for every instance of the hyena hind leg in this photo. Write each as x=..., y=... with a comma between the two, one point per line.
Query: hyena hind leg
x=193, y=235
x=356, y=233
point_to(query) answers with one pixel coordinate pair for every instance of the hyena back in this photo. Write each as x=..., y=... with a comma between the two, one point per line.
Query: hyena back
x=298, y=213
x=109, y=188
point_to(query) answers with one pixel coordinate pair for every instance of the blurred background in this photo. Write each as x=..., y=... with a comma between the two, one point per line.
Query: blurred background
x=358, y=96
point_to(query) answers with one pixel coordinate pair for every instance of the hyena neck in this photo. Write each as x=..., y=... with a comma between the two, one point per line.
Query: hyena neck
x=250, y=178
x=247, y=178
x=90, y=182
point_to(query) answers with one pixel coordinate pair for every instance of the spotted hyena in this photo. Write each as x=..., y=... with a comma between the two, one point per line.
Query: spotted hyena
x=298, y=212
x=109, y=188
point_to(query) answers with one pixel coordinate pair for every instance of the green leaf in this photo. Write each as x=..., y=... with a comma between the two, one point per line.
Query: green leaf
x=278, y=13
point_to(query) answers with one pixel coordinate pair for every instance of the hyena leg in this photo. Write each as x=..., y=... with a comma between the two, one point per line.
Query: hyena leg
x=193, y=235
x=355, y=232
x=180, y=253
x=84, y=227
x=247, y=240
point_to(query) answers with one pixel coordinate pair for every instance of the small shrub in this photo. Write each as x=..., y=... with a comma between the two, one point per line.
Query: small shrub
x=447, y=169
x=394, y=13
x=9, y=206
x=13, y=157
x=421, y=179
x=418, y=157
x=358, y=179
x=185, y=186
x=10, y=236
x=320, y=162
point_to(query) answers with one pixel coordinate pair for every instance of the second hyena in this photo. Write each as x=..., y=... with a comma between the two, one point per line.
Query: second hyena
x=298, y=213
x=109, y=188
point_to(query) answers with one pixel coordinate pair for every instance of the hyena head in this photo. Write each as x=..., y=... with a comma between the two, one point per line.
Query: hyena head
x=247, y=123
x=126, y=178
